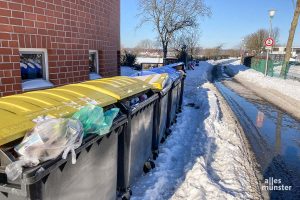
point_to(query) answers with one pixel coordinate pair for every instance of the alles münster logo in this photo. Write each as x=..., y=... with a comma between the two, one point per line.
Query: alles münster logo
x=272, y=184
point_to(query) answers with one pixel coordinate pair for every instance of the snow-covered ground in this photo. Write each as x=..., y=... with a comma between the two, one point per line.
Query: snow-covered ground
x=294, y=72
x=140, y=60
x=284, y=93
x=206, y=156
x=224, y=61
x=290, y=88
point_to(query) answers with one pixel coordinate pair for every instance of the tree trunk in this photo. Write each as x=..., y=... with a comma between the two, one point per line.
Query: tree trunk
x=290, y=40
x=165, y=51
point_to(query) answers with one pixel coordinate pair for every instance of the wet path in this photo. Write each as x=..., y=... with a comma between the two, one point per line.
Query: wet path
x=273, y=135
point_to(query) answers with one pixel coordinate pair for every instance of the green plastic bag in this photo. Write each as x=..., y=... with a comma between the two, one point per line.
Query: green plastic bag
x=94, y=120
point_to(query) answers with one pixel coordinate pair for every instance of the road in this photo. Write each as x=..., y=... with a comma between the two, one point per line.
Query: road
x=273, y=135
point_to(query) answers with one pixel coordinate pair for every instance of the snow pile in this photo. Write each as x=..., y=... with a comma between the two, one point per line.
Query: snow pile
x=127, y=71
x=223, y=61
x=140, y=60
x=236, y=62
x=224, y=171
x=94, y=76
x=286, y=87
x=205, y=157
x=294, y=72
x=35, y=84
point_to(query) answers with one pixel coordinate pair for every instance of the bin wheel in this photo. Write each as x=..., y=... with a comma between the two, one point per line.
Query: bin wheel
x=175, y=121
x=168, y=132
x=148, y=166
x=152, y=164
x=162, y=140
x=155, y=154
x=127, y=195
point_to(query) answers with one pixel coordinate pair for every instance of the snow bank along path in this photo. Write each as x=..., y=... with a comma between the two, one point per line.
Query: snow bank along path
x=283, y=93
x=206, y=156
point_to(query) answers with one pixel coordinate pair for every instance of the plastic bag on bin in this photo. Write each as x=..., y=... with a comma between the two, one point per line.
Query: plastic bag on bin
x=94, y=120
x=46, y=141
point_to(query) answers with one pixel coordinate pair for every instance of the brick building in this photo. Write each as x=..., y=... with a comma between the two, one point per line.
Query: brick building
x=45, y=43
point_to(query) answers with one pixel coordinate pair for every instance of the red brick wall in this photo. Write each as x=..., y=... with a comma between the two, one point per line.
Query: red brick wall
x=68, y=29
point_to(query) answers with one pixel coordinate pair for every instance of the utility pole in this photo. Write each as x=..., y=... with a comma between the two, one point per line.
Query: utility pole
x=242, y=50
x=271, y=15
x=290, y=40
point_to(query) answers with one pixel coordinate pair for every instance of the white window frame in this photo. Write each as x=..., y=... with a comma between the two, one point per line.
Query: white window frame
x=95, y=75
x=45, y=60
x=97, y=59
x=45, y=80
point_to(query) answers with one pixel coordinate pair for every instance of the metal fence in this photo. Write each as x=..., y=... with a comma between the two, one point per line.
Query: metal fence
x=274, y=68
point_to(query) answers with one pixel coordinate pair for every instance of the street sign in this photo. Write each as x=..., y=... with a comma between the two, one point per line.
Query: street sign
x=268, y=48
x=269, y=42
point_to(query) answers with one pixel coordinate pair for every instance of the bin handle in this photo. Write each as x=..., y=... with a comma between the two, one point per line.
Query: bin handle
x=6, y=157
x=20, y=190
x=13, y=189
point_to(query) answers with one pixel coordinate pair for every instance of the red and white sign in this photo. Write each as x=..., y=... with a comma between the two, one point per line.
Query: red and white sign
x=269, y=42
x=260, y=119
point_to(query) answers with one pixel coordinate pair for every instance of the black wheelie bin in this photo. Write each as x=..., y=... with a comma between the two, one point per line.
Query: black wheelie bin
x=94, y=176
x=161, y=85
x=139, y=102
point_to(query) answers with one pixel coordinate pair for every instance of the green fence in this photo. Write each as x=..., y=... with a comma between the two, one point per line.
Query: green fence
x=274, y=67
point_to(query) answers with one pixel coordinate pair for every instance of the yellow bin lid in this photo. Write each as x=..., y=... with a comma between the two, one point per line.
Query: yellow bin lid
x=18, y=106
x=55, y=106
x=157, y=81
x=12, y=126
x=16, y=118
x=87, y=93
x=17, y=112
x=119, y=87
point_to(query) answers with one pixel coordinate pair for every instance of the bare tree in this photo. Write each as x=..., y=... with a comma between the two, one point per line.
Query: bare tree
x=291, y=39
x=231, y=52
x=146, y=44
x=213, y=52
x=171, y=16
x=255, y=41
x=192, y=41
x=190, y=38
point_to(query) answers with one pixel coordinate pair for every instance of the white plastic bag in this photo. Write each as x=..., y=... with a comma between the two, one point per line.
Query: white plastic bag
x=46, y=141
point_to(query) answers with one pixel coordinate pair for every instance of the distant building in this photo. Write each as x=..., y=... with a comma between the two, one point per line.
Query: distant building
x=50, y=43
x=140, y=52
x=282, y=51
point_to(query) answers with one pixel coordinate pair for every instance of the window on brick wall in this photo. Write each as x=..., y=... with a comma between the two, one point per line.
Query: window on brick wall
x=94, y=64
x=34, y=69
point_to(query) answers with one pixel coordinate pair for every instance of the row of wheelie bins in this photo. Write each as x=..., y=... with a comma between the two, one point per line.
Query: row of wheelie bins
x=107, y=165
